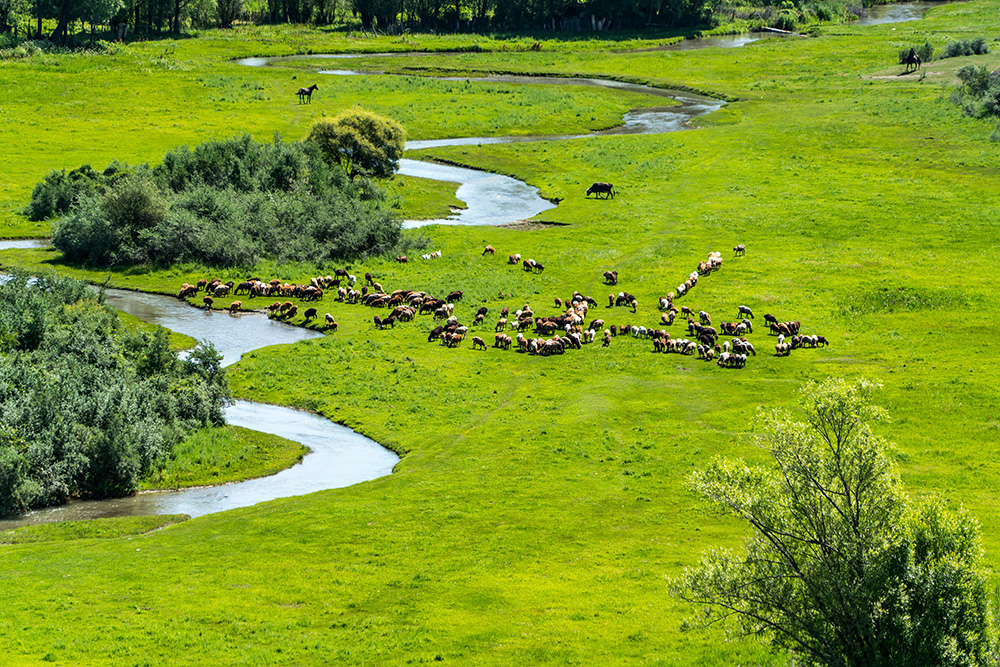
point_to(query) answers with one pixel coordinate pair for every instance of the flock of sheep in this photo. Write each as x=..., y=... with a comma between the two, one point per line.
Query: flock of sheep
x=569, y=329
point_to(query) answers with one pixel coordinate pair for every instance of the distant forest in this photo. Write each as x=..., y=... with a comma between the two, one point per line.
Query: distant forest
x=119, y=19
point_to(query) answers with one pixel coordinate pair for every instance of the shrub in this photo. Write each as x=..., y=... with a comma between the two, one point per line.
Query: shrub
x=87, y=406
x=926, y=52
x=966, y=47
x=227, y=203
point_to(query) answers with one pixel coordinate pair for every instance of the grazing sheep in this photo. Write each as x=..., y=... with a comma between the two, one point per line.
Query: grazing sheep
x=611, y=277
x=402, y=259
x=290, y=313
x=221, y=290
x=476, y=340
x=202, y=283
x=489, y=250
x=740, y=250
x=746, y=312
x=208, y=301
x=330, y=322
x=454, y=296
x=310, y=313
x=705, y=318
x=235, y=306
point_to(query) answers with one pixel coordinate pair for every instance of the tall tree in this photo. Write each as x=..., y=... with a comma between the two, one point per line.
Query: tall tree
x=840, y=568
x=361, y=142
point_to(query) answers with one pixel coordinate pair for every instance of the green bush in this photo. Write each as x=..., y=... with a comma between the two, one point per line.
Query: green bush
x=227, y=203
x=979, y=91
x=966, y=47
x=926, y=52
x=87, y=406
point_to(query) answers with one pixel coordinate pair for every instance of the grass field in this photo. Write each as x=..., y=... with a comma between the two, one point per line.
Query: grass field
x=220, y=455
x=541, y=506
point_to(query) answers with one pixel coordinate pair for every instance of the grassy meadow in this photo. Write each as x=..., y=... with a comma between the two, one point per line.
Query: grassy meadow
x=540, y=506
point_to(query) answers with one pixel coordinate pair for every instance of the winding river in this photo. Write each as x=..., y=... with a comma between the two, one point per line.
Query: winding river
x=339, y=457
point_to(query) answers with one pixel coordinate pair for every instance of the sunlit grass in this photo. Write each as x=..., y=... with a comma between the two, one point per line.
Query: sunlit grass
x=541, y=504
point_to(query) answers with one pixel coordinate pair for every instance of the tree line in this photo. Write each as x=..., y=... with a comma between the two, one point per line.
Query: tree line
x=117, y=19
x=87, y=406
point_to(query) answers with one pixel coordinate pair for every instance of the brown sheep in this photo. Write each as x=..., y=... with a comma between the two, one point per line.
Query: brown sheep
x=285, y=306
x=202, y=283
x=290, y=313
x=330, y=322
x=402, y=259
x=310, y=314
x=489, y=250
x=476, y=340
x=235, y=306
x=221, y=290
x=208, y=301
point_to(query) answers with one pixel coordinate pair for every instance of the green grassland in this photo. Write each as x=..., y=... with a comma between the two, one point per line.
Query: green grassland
x=422, y=198
x=540, y=506
x=220, y=455
x=95, y=529
x=178, y=341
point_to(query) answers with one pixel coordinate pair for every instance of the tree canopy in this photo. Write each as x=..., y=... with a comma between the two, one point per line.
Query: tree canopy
x=361, y=142
x=841, y=568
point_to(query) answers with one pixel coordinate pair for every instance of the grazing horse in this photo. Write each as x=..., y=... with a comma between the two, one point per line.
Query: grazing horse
x=598, y=189
x=912, y=61
x=306, y=93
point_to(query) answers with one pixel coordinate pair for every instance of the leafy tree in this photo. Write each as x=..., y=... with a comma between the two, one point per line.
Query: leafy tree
x=362, y=142
x=841, y=568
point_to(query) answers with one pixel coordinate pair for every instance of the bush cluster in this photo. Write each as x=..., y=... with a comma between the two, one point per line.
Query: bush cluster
x=965, y=47
x=228, y=203
x=978, y=94
x=88, y=407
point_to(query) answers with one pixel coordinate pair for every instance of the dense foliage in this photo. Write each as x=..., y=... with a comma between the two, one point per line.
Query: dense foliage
x=113, y=19
x=86, y=406
x=978, y=92
x=841, y=569
x=965, y=47
x=225, y=203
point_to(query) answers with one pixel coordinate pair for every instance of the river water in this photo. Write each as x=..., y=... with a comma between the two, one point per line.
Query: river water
x=339, y=457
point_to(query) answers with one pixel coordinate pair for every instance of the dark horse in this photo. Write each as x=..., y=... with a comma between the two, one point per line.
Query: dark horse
x=912, y=61
x=306, y=93
x=598, y=189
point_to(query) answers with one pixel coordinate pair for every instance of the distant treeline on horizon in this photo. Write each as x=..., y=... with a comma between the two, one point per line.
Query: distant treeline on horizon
x=119, y=19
